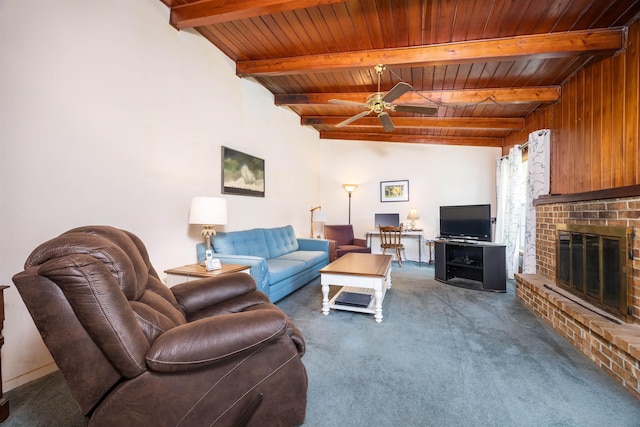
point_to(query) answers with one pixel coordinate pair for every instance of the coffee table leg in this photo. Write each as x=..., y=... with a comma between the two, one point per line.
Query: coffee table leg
x=378, y=305
x=325, y=299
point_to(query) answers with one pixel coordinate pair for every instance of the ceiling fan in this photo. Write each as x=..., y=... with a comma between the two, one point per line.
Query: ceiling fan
x=378, y=102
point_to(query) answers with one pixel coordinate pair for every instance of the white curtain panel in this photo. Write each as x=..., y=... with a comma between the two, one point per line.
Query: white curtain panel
x=502, y=186
x=510, y=181
x=538, y=183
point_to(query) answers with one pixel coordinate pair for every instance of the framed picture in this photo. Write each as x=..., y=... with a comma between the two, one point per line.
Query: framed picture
x=242, y=173
x=394, y=191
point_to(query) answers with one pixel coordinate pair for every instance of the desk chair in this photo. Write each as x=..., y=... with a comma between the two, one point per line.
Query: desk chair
x=391, y=238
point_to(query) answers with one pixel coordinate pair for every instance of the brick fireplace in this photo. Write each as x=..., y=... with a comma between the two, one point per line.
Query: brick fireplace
x=613, y=344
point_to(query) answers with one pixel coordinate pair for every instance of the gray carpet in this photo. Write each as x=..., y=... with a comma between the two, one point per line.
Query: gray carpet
x=443, y=356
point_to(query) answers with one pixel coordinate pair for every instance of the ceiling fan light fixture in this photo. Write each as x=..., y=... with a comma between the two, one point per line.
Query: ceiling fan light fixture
x=379, y=102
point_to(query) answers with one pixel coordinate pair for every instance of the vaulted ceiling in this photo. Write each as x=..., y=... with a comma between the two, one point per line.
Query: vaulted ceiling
x=483, y=64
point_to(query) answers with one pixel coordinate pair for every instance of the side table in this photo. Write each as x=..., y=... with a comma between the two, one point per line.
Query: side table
x=198, y=271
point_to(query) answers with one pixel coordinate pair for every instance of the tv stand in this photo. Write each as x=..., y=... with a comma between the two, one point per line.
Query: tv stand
x=477, y=265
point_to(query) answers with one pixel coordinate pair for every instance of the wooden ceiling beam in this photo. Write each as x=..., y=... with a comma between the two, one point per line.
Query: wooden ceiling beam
x=207, y=12
x=414, y=139
x=548, y=45
x=525, y=95
x=498, y=123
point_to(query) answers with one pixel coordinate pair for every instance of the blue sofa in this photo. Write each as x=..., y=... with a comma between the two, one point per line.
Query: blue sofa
x=280, y=262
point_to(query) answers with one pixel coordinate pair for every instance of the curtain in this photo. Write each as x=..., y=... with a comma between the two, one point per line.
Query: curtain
x=510, y=193
x=538, y=183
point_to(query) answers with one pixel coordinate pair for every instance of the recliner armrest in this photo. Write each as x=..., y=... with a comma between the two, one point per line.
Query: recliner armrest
x=214, y=339
x=202, y=293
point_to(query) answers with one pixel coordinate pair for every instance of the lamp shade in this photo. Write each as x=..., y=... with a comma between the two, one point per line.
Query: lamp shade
x=413, y=214
x=208, y=211
x=349, y=188
x=320, y=216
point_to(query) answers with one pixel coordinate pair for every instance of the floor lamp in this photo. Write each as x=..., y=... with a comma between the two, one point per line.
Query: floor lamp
x=349, y=188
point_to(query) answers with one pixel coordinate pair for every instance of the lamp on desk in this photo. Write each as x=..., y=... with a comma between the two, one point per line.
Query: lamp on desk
x=412, y=216
x=208, y=211
x=317, y=215
x=349, y=188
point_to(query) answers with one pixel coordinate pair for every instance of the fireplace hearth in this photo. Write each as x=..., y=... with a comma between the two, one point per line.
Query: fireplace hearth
x=593, y=262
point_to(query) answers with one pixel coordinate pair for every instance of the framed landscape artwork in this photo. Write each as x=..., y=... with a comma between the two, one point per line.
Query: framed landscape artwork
x=242, y=174
x=394, y=191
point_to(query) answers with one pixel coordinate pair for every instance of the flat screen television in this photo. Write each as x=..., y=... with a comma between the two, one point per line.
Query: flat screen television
x=468, y=222
x=386, y=219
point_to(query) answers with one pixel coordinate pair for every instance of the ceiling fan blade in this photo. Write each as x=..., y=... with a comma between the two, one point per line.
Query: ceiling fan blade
x=387, y=124
x=397, y=91
x=343, y=102
x=420, y=109
x=353, y=119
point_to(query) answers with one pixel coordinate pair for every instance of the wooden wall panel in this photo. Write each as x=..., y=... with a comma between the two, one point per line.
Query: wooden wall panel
x=631, y=150
x=617, y=123
x=595, y=125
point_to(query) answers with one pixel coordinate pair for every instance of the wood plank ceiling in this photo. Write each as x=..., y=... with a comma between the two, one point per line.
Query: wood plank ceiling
x=484, y=64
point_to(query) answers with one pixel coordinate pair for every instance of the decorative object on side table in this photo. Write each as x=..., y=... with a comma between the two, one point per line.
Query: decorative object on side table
x=349, y=188
x=208, y=211
x=190, y=272
x=394, y=191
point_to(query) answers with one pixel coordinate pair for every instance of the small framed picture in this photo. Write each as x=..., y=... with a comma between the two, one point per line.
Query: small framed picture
x=394, y=191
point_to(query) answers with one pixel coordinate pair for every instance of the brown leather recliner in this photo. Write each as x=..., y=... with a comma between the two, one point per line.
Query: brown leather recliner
x=345, y=241
x=212, y=352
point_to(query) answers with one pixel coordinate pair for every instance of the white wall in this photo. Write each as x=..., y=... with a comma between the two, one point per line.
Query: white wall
x=110, y=116
x=438, y=175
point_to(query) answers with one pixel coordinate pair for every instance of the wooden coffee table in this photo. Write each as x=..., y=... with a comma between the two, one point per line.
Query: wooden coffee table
x=357, y=273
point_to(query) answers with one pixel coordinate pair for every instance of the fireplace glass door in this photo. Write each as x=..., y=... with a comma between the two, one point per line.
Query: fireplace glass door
x=591, y=263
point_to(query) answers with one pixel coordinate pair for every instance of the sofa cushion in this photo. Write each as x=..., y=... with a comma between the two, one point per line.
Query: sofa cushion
x=280, y=269
x=280, y=241
x=247, y=242
x=309, y=258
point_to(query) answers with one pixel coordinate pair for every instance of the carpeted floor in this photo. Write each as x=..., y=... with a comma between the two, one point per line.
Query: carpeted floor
x=443, y=356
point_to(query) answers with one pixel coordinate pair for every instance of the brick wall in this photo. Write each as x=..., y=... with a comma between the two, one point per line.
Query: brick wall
x=613, y=212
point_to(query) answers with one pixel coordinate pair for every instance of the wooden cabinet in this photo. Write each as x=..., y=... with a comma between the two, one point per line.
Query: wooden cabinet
x=479, y=266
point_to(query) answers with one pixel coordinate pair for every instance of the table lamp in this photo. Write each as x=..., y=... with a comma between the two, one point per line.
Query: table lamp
x=412, y=216
x=208, y=211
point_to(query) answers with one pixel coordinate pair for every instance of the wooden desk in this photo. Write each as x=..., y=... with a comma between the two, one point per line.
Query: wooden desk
x=198, y=271
x=417, y=234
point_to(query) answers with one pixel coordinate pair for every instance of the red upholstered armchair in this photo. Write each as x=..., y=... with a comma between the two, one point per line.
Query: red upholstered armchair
x=344, y=240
